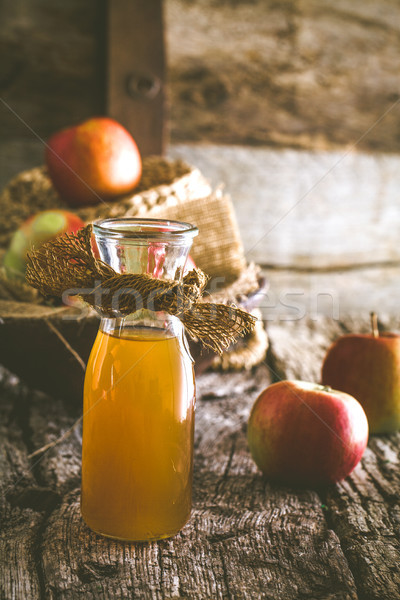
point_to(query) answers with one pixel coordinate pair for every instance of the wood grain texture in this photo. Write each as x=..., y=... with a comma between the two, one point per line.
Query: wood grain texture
x=49, y=75
x=307, y=210
x=289, y=73
x=246, y=538
x=21, y=503
x=364, y=509
x=242, y=539
x=135, y=86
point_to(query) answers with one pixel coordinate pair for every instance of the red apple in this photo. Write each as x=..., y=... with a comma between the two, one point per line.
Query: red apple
x=34, y=232
x=96, y=160
x=305, y=433
x=367, y=366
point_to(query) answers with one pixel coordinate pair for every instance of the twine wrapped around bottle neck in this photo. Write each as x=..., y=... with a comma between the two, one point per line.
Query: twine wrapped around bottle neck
x=68, y=264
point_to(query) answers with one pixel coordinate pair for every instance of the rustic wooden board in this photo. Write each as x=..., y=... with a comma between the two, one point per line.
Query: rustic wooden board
x=363, y=510
x=21, y=517
x=263, y=530
x=246, y=538
x=308, y=210
x=135, y=90
x=48, y=74
x=296, y=294
x=285, y=73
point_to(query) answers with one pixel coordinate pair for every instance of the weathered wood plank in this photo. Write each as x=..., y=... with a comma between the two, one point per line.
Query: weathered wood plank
x=281, y=530
x=285, y=73
x=363, y=510
x=310, y=210
x=294, y=295
x=20, y=511
x=48, y=75
x=58, y=467
x=244, y=537
x=17, y=155
x=135, y=91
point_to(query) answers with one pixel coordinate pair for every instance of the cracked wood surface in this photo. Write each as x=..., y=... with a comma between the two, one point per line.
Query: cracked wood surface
x=246, y=537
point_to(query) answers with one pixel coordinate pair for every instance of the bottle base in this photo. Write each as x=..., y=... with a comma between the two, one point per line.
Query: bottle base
x=150, y=537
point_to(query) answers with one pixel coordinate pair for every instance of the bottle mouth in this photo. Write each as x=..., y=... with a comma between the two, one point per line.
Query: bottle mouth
x=127, y=228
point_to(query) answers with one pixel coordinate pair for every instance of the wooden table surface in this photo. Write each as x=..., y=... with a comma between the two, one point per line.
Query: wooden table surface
x=246, y=537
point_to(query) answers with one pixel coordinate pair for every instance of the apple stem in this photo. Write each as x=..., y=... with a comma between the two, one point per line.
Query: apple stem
x=374, y=325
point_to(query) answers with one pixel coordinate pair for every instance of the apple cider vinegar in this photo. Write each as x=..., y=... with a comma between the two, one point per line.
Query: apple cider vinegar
x=139, y=392
x=138, y=421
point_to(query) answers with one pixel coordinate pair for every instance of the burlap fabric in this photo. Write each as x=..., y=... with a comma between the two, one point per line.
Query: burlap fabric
x=162, y=181
x=169, y=189
x=68, y=263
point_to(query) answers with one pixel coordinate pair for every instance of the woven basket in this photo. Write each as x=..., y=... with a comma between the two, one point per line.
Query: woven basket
x=162, y=182
x=48, y=346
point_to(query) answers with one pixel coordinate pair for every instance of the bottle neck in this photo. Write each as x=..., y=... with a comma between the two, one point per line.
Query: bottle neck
x=158, y=248
x=147, y=252
x=143, y=320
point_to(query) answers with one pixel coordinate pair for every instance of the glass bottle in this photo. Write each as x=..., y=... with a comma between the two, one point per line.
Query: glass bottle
x=139, y=396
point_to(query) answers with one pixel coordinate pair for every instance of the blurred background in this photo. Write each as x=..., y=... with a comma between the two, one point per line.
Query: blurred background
x=294, y=106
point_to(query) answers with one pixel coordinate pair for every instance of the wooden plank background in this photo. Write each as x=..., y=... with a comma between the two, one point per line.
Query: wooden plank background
x=301, y=73
x=135, y=83
x=315, y=210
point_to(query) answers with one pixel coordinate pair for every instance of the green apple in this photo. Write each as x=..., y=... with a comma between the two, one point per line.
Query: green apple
x=34, y=232
x=367, y=366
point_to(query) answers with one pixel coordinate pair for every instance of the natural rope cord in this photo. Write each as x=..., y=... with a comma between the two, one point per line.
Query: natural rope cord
x=68, y=264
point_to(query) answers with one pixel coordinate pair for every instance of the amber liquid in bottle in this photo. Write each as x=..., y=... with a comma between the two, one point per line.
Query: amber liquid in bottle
x=139, y=401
